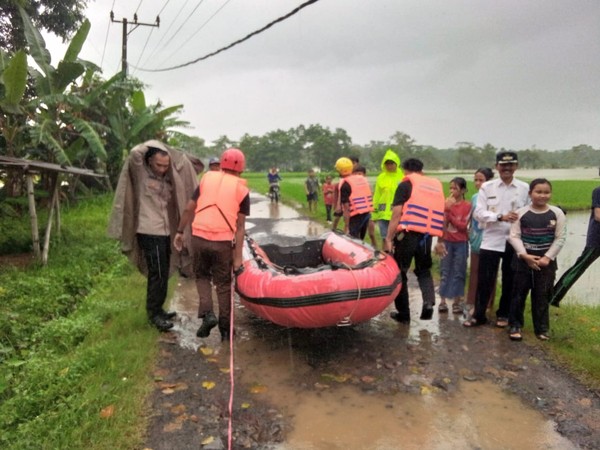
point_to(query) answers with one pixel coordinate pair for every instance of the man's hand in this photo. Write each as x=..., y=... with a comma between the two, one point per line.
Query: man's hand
x=387, y=245
x=178, y=242
x=511, y=217
x=237, y=263
x=440, y=249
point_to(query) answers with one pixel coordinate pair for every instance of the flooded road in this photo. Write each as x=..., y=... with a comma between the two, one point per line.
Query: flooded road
x=378, y=385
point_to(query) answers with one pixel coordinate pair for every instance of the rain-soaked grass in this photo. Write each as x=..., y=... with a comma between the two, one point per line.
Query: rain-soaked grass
x=575, y=340
x=75, y=351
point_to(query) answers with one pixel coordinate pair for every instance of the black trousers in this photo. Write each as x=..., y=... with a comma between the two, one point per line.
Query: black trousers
x=157, y=253
x=489, y=261
x=540, y=284
x=415, y=246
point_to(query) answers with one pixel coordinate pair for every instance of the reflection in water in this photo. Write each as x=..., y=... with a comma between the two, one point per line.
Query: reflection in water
x=334, y=415
x=343, y=418
x=273, y=210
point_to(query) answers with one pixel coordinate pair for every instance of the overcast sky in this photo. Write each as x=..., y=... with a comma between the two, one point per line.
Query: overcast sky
x=512, y=73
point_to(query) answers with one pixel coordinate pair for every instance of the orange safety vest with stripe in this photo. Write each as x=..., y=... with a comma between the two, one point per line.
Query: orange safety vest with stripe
x=424, y=210
x=218, y=206
x=361, y=198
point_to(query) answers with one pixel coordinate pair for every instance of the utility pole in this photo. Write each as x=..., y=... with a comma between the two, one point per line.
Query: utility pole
x=125, y=22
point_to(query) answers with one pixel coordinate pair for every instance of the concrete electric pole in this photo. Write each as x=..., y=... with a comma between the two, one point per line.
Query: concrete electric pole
x=136, y=24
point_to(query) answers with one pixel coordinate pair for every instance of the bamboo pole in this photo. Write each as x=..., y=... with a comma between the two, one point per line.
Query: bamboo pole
x=53, y=203
x=35, y=234
x=57, y=206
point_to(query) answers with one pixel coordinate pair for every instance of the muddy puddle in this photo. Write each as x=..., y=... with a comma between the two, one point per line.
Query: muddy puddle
x=370, y=386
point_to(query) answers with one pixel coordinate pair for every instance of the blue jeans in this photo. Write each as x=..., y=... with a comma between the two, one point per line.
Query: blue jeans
x=383, y=227
x=453, y=268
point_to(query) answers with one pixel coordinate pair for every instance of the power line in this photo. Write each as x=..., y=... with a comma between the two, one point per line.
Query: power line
x=144, y=49
x=196, y=32
x=163, y=8
x=184, y=22
x=138, y=7
x=106, y=38
x=150, y=33
x=239, y=41
x=167, y=31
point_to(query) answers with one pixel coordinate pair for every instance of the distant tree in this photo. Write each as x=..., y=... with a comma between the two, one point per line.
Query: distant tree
x=61, y=18
x=221, y=144
x=191, y=144
x=403, y=144
x=467, y=156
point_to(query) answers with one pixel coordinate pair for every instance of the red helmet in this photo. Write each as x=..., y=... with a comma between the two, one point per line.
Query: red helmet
x=233, y=159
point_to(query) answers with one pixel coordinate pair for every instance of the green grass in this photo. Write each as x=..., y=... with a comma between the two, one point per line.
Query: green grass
x=576, y=340
x=73, y=341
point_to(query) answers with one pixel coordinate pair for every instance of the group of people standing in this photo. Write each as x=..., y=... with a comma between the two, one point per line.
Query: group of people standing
x=508, y=224
x=160, y=205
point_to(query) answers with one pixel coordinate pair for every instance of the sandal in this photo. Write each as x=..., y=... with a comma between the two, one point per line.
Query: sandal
x=501, y=322
x=515, y=334
x=457, y=308
x=443, y=308
x=543, y=337
x=473, y=322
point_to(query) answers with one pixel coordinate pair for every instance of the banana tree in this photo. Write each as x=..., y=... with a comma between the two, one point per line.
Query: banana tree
x=13, y=81
x=57, y=115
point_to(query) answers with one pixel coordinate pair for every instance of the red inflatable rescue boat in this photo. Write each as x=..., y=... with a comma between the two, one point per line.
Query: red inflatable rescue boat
x=332, y=280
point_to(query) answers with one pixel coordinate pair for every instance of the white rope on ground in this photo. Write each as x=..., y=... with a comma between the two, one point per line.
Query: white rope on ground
x=231, y=377
x=348, y=319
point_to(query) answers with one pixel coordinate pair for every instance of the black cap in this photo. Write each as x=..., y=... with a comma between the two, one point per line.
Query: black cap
x=214, y=161
x=506, y=158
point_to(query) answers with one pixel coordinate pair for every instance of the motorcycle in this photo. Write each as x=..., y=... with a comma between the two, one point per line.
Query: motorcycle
x=274, y=192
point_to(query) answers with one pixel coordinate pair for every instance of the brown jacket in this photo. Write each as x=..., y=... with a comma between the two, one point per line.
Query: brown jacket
x=123, y=221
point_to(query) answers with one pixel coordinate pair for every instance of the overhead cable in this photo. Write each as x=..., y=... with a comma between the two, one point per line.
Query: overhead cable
x=184, y=22
x=205, y=23
x=197, y=31
x=239, y=41
x=145, y=44
x=167, y=31
x=106, y=37
x=150, y=33
x=139, y=4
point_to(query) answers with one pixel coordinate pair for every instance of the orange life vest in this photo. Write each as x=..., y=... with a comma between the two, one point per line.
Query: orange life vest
x=218, y=205
x=424, y=210
x=361, y=198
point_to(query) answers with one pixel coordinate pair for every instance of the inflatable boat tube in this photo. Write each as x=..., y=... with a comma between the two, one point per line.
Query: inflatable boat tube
x=329, y=281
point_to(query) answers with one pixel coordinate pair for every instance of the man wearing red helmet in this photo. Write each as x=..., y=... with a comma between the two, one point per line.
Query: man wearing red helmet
x=217, y=212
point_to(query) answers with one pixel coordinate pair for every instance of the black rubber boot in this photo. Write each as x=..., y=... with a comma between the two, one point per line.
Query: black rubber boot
x=167, y=315
x=208, y=323
x=399, y=317
x=225, y=333
x=160, y=323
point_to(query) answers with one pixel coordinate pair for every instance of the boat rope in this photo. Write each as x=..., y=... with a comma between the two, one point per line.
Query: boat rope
x=346, y=321
x=231, y=377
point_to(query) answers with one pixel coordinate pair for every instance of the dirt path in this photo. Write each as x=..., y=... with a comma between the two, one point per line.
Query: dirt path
x=427, y=365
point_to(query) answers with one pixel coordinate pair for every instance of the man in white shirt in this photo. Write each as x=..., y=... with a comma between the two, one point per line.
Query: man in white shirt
x=497, y=204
